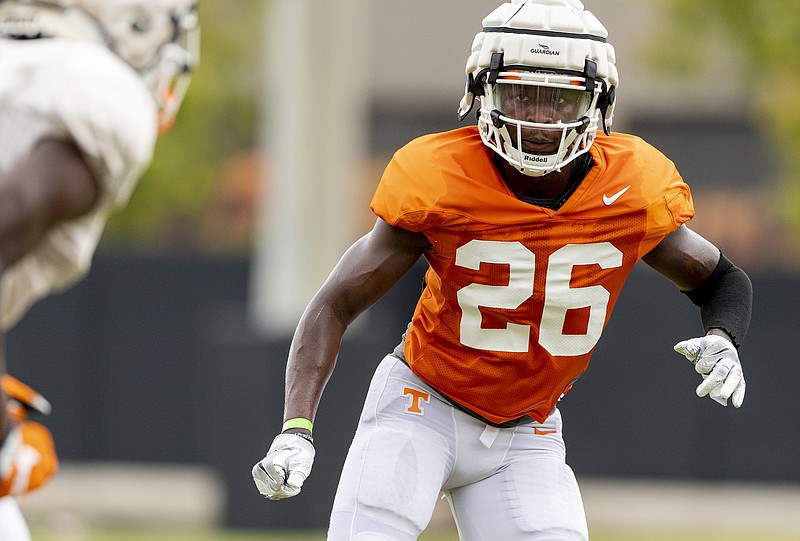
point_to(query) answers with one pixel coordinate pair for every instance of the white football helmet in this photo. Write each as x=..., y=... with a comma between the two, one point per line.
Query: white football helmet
x=546, y=80
x=158, y=38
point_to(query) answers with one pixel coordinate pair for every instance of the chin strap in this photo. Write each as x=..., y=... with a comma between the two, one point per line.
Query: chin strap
x=605, y=101
x=607, y=95
x=519, y=155
x=475, y=84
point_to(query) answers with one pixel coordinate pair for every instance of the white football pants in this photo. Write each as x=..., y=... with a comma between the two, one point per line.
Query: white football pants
x=12, y=523
x=509, y=484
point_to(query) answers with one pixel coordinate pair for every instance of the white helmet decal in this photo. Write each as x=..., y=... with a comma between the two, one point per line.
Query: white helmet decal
x=550, y=52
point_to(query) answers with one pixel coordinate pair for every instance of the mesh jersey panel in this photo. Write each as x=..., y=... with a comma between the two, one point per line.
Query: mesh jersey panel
x=517, y=295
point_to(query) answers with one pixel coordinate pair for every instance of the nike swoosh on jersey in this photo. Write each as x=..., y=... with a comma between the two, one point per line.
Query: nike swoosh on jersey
x=540, y=432
x=610, y=200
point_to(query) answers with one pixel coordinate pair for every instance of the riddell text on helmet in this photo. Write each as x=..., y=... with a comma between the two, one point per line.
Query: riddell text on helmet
x=535, y=159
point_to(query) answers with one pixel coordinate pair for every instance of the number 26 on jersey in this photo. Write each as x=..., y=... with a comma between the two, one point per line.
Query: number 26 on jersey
x=559, y=297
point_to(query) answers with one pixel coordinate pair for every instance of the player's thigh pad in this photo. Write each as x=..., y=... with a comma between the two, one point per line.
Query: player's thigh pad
x=534, y=497
x=397, y=462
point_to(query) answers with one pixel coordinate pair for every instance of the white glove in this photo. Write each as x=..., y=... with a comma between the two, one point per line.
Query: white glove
x=287, y=465
x=717, y=361
x=8, y=451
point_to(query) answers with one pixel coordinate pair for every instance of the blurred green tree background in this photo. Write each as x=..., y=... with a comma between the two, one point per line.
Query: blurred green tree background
x=765, y=35
x=200, y=191
x=218, y=124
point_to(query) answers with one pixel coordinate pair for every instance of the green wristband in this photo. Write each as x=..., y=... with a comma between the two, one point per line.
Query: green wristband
x=297, y=422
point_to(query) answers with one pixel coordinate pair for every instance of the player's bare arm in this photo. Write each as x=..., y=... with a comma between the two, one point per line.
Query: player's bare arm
x=369, y=268
x=724, y=294
x=684, y=257
x=52, y=184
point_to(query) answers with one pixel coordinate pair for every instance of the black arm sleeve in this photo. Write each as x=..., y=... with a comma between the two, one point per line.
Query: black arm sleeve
x=725, y=299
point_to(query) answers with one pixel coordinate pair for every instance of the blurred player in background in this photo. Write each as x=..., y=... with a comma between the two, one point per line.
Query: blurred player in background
x=86, y=86
x=34, y=460
x=530, y=222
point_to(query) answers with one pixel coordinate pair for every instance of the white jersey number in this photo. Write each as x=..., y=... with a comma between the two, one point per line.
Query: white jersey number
x=559, y=297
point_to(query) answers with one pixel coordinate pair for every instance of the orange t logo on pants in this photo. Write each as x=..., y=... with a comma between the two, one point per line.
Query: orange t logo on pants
x=415, y=397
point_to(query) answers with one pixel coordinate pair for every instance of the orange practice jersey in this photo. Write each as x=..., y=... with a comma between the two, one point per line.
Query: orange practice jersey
x=517, y=295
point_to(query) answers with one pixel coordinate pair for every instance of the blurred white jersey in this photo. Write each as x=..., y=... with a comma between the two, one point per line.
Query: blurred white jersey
x=82, y=92
x=12, y=523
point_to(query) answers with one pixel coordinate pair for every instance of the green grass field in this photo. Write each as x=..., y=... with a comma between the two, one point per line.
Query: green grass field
x=171, y=535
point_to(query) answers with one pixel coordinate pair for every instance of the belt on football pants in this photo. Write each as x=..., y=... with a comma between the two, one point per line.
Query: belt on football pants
x=398, y=352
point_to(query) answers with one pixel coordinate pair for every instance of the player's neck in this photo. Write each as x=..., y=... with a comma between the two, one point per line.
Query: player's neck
x=549, y=186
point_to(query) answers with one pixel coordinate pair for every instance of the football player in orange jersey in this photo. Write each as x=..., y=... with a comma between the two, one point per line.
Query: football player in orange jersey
x=34, y=461
x=86, y=86
x=530, y=223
